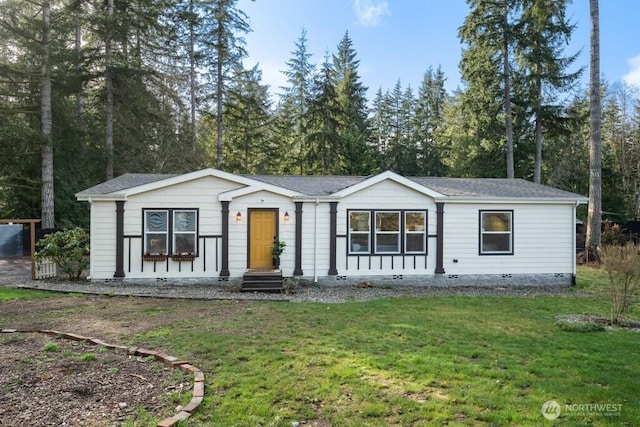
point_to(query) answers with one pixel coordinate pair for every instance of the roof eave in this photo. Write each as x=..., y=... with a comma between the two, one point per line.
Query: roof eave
x=514, y=200
x=87, y=197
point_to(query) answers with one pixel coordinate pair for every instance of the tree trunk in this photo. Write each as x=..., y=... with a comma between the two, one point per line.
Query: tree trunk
x=537, y=170
x=47, y=193
x=219, y=92
x=108, y=144
x=192, y=75
x=507, y=96
x=78, y=69
x=594, y=219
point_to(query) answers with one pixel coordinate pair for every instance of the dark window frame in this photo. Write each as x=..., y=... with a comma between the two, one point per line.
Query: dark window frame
x=511, y=232
x=372, y=233
x=170, y=250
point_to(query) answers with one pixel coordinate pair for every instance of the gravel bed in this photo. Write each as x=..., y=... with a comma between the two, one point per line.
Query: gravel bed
x=304, y=293
x=15, y=273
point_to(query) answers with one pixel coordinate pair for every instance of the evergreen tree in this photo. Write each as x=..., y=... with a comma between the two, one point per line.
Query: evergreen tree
x=351, y=98
x=247, y=118
x=542, y=33
x=487, y=33
x=323, y=140
x=380, y=132
x=429, y=117
x=295, y=100
x=222, y=27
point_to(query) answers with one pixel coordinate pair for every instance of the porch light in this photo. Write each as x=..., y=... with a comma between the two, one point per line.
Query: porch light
x=238, y=217
x=286, y=216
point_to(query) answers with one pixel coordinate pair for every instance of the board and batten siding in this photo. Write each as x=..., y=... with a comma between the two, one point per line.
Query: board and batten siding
x=386, y=195
x=201, y=194
x=238, y=237
x=543, y=240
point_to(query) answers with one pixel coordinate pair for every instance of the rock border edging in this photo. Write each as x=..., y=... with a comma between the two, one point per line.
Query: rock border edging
x=165, y=359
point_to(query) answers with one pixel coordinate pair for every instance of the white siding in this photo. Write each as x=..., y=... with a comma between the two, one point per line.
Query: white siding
x=542, y=242
x=315, y=248
x=103, y=240
x=238, y=238
x=201, y=194
x=543, y=234
x=386, y=195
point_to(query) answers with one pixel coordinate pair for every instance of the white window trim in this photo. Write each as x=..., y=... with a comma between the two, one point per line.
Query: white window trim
x=176, y=233
x=367, y=233
x=423, y=232
x=146, y=231
x=396, y=233
x=402, y=233
x=510, y=233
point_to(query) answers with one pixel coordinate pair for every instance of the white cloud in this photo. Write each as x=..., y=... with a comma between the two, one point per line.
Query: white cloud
x=369, y=12
x=633, y=76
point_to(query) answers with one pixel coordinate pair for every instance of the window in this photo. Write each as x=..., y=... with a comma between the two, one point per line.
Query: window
x=156, y=226
x=496, y=232
x=387, y=232
x=170, y=231
x=184, y=232
x=415, y=229
x=359, y=232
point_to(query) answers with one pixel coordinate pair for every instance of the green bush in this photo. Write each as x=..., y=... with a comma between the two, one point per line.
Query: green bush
x=68, y=249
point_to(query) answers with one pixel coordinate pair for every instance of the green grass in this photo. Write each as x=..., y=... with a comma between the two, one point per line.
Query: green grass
x=50, y=346
x=419, y=362
x=460, y=361
x=7, y=294
x=88, y=357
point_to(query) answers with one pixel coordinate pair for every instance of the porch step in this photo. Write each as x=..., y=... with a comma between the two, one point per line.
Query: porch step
x=262, y=281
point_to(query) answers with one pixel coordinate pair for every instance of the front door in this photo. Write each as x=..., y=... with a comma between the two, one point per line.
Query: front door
x=262, y=230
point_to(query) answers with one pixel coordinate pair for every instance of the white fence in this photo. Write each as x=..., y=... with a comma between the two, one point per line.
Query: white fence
x=45, y=268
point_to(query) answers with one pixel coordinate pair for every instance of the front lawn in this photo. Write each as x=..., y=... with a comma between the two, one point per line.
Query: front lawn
x=397, y=362
x=419, y=362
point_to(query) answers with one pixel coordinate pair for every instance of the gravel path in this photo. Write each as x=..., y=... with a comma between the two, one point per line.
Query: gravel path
x=15, y=273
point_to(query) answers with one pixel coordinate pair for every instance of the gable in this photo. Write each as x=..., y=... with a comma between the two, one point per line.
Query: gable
x=387, y=194
x=388, y=176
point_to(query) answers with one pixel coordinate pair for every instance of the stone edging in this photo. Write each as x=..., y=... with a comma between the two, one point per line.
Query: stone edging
x=169, y=361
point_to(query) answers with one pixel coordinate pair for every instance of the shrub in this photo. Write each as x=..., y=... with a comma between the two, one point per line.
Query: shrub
x=622, y=264
x=613, y=234
x=568, y=326
x=68, y=249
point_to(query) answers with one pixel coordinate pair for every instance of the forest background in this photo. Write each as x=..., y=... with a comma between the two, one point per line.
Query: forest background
x=93, y=89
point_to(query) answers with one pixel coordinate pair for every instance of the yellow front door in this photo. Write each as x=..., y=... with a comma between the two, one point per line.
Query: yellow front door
x=262, y=230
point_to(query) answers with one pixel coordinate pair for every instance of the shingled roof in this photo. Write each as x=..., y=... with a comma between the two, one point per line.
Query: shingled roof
x=124, y=182
x=318, y=186
x=310, y=185
x=491, y=187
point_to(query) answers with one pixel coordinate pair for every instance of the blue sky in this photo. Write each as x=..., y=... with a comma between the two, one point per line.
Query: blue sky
x=400, y=39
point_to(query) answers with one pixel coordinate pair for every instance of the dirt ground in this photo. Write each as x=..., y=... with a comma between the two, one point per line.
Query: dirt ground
x=49, y=381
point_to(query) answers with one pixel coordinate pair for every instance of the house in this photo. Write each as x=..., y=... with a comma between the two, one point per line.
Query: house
x=211, y=225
